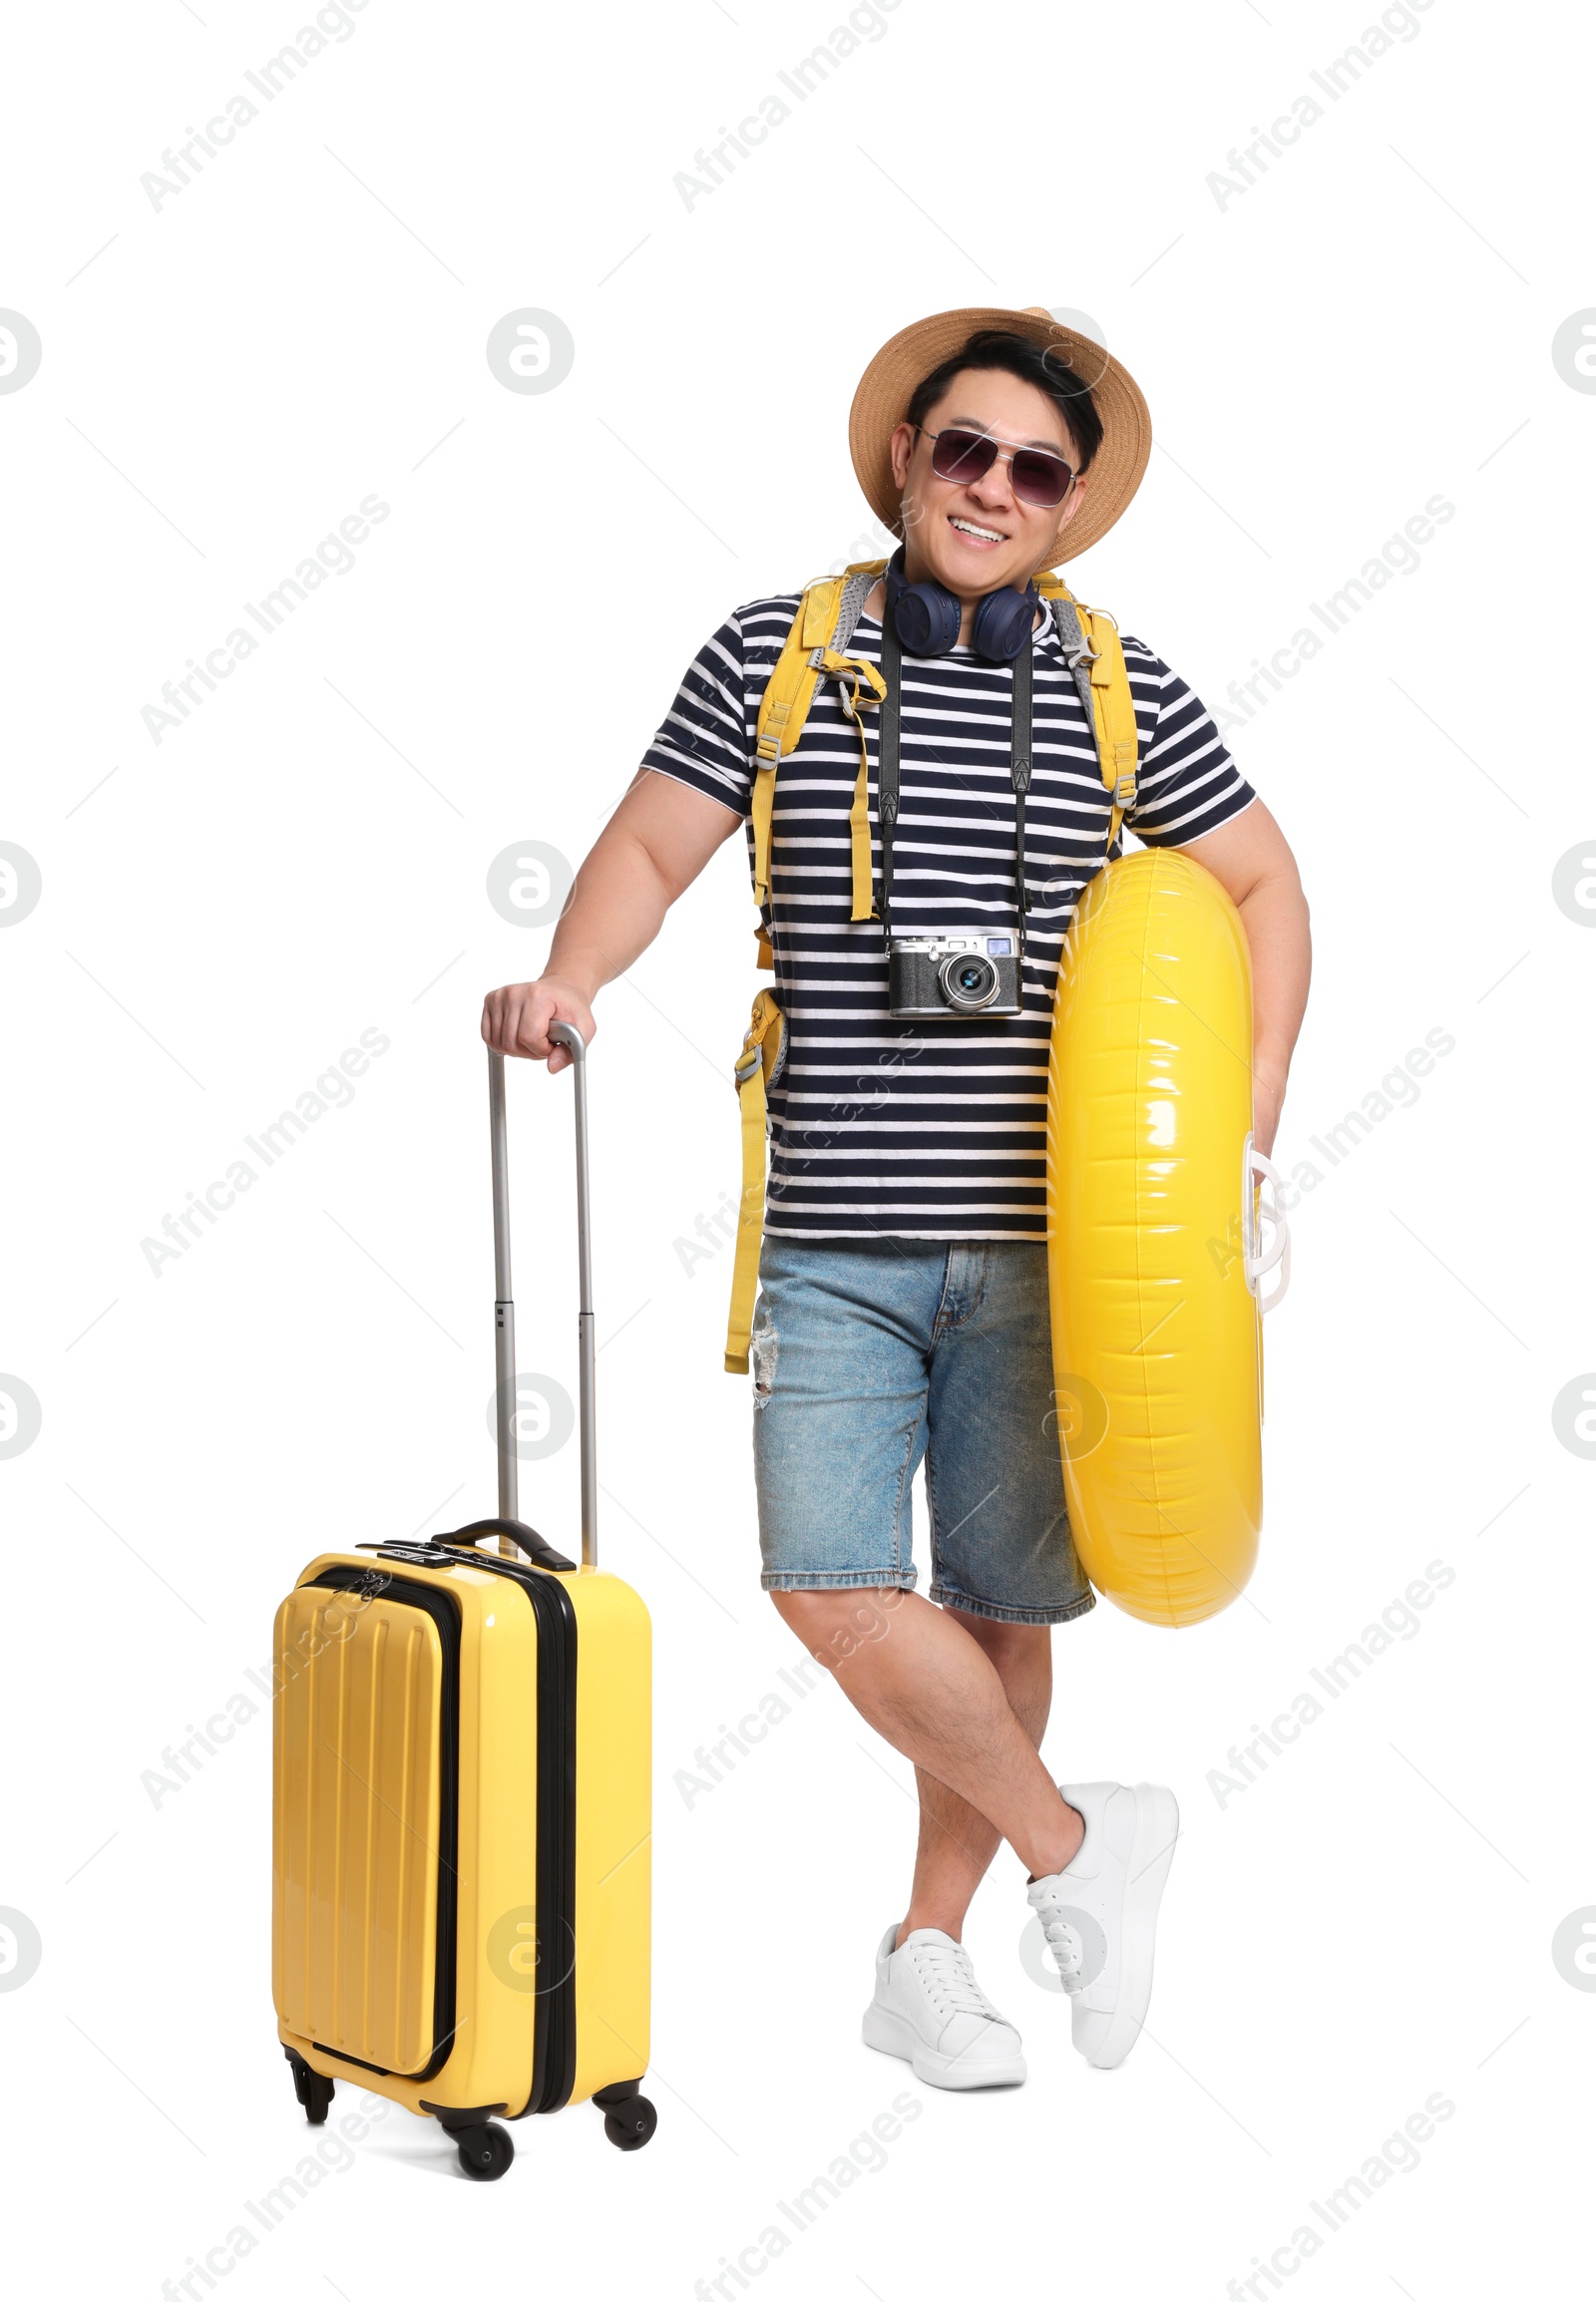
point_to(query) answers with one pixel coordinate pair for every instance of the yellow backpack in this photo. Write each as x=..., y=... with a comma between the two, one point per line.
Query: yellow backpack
x=816, y=650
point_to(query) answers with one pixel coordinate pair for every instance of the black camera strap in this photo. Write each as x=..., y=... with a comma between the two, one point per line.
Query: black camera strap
x=1020, y=777
x=887, y=754
x=887, y=758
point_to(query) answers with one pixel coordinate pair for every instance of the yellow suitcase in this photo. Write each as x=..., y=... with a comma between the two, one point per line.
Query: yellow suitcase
x=460, y=1808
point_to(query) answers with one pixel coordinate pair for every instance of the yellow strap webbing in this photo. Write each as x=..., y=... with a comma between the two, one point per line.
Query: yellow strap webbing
x=1113, y=715
x=1113, y=711
x=760, y=1050
x=853, y=677
x=807, y=656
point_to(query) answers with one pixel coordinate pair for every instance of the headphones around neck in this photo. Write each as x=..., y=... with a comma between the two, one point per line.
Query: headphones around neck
x=927, y=617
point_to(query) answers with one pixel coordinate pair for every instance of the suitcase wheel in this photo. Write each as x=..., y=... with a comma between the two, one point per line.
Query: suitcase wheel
x=312, y=2092
x=632, y=2123
x=485, y=2151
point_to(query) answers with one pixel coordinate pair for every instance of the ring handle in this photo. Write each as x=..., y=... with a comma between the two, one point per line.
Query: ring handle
x=1256, y=1212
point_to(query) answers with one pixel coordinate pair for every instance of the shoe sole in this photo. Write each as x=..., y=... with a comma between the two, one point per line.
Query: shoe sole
x=1153, y=1850
x=890, y=2034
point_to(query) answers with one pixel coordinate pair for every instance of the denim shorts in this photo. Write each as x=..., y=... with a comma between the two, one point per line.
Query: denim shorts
x=868, y=1353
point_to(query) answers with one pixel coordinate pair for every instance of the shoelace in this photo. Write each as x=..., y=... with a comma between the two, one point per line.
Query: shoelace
x=1065, y=1944
x=951, y=1980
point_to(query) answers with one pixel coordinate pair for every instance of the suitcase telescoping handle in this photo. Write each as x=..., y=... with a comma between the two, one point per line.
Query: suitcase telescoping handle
x=504, y=1306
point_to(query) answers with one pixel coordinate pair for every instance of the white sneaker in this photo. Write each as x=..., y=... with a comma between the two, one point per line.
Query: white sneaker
x=929, y=2010
x=1100, y=1912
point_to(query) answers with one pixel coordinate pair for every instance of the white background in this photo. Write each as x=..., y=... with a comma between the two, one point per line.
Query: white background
x=223, y=379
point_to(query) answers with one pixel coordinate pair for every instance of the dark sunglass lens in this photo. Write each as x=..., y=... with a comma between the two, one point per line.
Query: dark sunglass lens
x=962, y=456
x=1039, y=479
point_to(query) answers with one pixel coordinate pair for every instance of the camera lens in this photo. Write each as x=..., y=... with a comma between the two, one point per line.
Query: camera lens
x=968, y=981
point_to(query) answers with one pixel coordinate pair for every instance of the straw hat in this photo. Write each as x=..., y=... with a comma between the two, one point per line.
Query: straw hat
x=888, y=384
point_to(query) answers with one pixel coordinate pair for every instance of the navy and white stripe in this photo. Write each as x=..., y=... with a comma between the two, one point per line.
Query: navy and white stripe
x=928, y=1130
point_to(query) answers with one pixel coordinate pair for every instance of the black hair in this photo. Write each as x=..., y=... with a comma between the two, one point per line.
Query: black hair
x=1034, y=363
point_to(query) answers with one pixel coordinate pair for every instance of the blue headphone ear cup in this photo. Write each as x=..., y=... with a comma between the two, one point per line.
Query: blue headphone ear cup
x=926, y=619
x=1003, y=624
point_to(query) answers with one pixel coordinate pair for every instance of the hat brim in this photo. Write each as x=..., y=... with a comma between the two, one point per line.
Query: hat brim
x=887, y=385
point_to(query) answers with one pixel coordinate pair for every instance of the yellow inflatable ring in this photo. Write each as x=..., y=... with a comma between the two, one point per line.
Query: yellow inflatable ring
x=1154, y=1240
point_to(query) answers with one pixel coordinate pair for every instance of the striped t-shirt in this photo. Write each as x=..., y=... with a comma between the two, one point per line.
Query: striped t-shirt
x=926, y=1129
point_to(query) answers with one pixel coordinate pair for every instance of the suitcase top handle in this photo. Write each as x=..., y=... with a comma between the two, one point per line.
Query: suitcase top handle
x=526, y=1540
x=505, y=1312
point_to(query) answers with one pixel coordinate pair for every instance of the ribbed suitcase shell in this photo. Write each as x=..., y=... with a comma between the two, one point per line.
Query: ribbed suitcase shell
x=361, y=1761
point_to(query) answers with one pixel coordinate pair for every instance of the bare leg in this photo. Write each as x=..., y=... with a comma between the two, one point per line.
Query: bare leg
x=928, y=1687
x=957, y=1843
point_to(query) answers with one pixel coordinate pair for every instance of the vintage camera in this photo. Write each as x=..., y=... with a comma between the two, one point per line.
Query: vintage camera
x=952, y=975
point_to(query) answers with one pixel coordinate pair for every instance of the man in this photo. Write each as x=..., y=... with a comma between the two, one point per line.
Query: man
x=902, y=1307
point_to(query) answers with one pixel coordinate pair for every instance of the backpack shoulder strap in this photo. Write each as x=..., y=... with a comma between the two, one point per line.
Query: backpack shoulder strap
x=815, y=647
x=1091, y=649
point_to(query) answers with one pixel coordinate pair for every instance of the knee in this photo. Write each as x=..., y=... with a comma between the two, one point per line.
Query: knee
x=836, y=1625
x=1009, y=1646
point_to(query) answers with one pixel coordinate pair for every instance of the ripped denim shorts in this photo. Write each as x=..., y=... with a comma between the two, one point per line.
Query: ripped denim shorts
x=869, y=1354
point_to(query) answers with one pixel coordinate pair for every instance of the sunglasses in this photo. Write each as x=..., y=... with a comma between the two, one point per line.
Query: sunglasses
x=1035, y=475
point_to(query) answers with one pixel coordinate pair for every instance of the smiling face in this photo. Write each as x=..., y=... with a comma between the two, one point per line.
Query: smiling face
x=978, y=535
